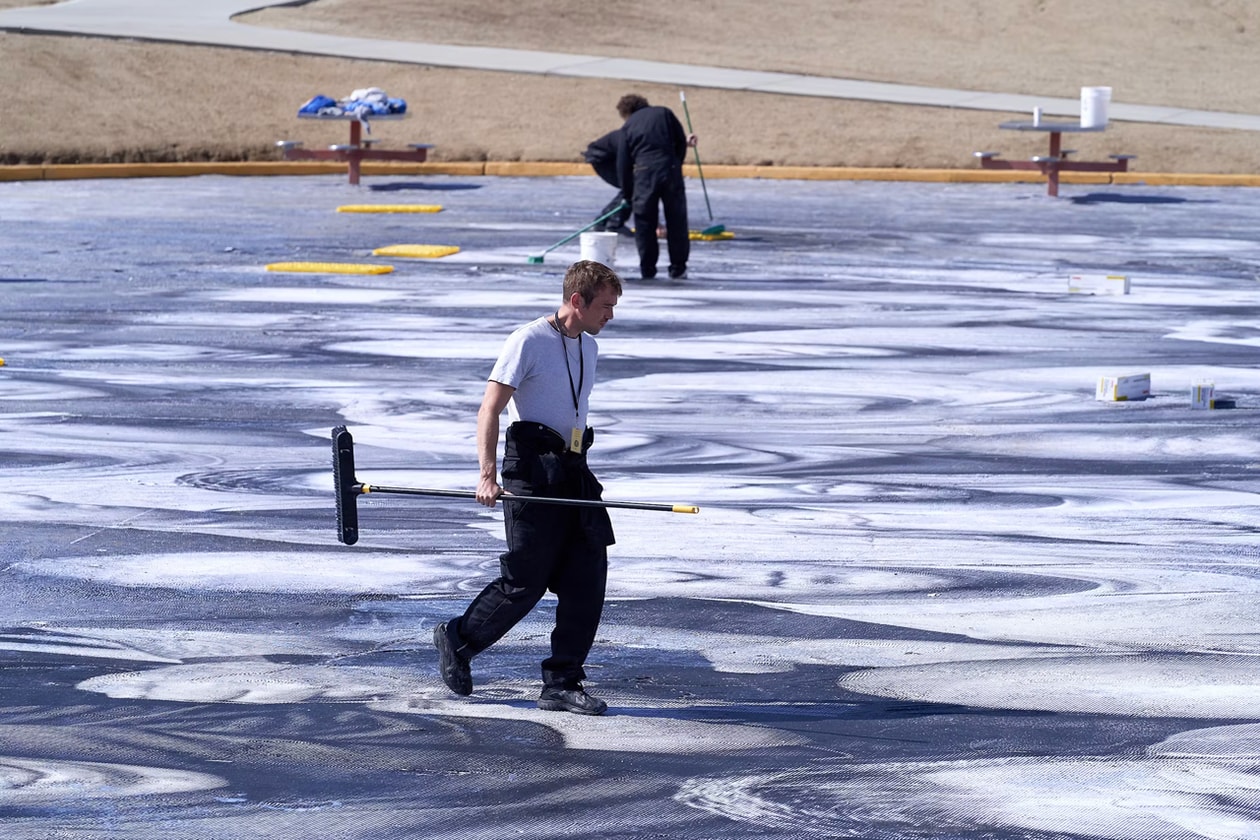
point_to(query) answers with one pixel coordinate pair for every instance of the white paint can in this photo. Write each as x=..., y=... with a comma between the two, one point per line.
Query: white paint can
x=600, y=246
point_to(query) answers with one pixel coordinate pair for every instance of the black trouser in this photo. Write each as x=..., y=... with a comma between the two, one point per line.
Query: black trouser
x=657, y=186
x=550, y=547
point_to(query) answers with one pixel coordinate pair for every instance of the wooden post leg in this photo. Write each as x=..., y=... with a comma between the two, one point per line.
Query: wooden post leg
x=355, y=137
x=1052, y=173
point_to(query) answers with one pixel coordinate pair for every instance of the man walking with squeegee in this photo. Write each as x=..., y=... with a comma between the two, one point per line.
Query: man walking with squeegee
x=543, y=377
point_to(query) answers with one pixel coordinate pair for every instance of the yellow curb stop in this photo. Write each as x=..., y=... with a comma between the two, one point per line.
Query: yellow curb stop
x=424, y=252
x=331, y=268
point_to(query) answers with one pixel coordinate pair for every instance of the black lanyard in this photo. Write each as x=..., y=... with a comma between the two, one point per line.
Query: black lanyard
x=577, y=411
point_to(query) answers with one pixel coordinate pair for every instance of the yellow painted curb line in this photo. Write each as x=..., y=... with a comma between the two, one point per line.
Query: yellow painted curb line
x=425, y=252
x=72, y=171
x=536, y=169
x=1174, y=179
x=21, y=173
x=427, y=168
x=523, y=169
x=390, y=208
x=695, y=235
x=331, y=268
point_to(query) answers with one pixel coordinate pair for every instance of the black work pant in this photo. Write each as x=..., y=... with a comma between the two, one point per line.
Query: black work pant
x=657, y=187
x=549, y=547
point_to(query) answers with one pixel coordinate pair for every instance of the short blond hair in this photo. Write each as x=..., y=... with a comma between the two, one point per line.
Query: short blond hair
x=588, y=278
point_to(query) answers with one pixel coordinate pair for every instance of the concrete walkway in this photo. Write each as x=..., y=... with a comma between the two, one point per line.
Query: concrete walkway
x=209, y=22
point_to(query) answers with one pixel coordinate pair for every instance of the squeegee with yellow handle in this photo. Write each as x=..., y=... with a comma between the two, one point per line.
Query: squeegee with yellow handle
x=348, y=489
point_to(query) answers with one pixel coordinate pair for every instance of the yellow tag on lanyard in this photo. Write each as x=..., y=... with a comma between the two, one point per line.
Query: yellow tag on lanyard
x=575, y=440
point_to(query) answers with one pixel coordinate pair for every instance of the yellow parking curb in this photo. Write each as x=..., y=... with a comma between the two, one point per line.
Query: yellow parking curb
x=331, y=268
x=390, y=208
x=427, y=252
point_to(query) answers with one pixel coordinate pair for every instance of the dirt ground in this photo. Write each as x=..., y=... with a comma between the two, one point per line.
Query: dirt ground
x=84, y=99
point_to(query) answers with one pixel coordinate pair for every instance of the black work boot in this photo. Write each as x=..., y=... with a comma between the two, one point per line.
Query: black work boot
x=560, y=699
x=453, y=667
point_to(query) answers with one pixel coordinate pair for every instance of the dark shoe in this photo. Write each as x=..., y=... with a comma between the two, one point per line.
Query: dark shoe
x=678, y=275
x=571, y=700
x=453, y=667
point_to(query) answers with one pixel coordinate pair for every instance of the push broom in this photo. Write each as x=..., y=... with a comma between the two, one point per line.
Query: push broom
x=348, y=489
x=712, y=230
x=538, y=258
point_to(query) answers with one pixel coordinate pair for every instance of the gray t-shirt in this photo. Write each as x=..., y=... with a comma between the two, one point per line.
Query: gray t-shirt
x=533, y=362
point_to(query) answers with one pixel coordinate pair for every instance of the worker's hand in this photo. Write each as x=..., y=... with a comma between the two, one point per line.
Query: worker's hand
x=693, y=140
x=488, y=491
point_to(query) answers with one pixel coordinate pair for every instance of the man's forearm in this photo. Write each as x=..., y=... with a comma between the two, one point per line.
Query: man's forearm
x=487, y=443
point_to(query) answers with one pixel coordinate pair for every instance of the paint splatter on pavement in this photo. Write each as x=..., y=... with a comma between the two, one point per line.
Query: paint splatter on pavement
x=936, y=588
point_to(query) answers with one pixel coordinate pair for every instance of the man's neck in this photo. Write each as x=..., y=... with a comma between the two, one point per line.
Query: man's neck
x=562, y=320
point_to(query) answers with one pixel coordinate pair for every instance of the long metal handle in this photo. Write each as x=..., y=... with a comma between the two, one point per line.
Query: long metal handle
x=686, y=112
x=551, y=500
x=347, y=489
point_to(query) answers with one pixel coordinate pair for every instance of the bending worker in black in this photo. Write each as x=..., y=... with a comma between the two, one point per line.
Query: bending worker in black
x=650, y=155
x=601, y=154
x=543, y=377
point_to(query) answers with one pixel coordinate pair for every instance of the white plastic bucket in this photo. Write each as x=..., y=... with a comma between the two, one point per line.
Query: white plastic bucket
x=1094, y=101
x=599, y=246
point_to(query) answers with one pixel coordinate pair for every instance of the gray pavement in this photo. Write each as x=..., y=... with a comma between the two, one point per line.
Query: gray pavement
x=210, y=22
x=935, y=590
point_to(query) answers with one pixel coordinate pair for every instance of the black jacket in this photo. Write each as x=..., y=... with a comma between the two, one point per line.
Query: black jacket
x=602, y=155
x=652, y=138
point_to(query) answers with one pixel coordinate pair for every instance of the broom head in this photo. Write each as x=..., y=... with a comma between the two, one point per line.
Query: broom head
x=347, y=489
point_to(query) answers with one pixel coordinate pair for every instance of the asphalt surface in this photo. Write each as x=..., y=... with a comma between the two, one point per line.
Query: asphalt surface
x=935, y=588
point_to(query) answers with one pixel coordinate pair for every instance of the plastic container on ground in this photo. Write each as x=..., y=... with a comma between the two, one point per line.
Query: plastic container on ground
x=600, y=246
